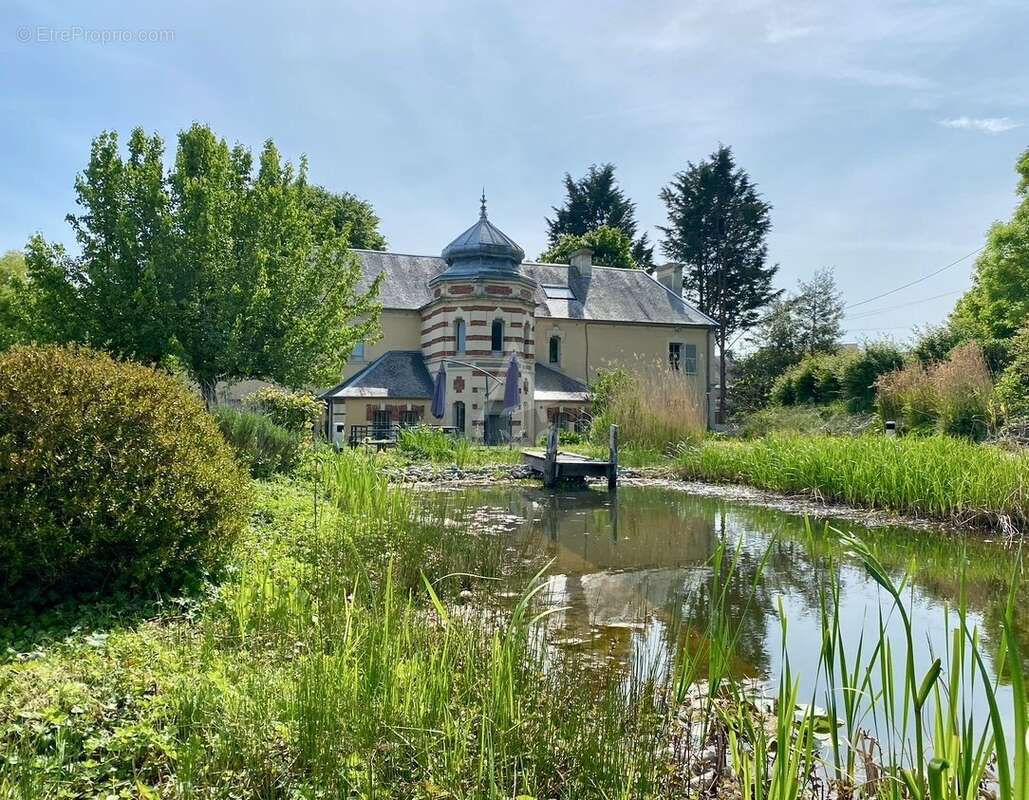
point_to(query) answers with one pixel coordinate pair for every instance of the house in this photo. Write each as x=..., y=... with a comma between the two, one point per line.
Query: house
x=480, y=304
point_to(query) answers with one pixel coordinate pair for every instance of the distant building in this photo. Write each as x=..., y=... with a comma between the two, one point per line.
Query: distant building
x=479, y=304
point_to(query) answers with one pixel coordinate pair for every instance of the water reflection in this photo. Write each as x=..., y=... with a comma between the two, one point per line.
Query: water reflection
x=632, y=571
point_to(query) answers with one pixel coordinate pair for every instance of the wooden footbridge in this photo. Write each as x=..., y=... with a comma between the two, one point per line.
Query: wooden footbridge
x=555, y=466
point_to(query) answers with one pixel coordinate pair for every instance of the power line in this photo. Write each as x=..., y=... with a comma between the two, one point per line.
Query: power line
x=874, y=311
x=932, y=274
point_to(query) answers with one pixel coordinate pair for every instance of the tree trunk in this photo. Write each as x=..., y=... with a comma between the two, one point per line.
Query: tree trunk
x=721, y=375
x=207, y=386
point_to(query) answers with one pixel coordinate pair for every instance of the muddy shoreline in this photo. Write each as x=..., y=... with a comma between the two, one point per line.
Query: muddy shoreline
x=428, y=478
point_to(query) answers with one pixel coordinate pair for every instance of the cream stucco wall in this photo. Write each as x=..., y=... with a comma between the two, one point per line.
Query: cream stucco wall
x=401, y=330
x=589, y=346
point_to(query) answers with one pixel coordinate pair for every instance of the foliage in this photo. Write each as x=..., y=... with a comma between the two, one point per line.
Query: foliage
x=423, y=441
x=264, y=447
x=940, y=477
x=952, y=396
x=111, y=476
x=1013, y=386
x=348, y=215
x=997, y=305
x=818, y=310
x=717, y=227
x=14, y=325
x=611, y=248
x=229, y=272
x=595, y=201
x=656, y=411
x=295, y=411
x=607, y=383
x=833, y=419
x=859, y=372
x=934, y=343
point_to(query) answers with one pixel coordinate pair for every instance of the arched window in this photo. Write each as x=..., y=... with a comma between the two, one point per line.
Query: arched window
x=459, y=335
x=555, y=349
x=497, y=336
x=459, y=416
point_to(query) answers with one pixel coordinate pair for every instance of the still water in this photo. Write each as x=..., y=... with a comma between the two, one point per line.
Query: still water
x=631, y=572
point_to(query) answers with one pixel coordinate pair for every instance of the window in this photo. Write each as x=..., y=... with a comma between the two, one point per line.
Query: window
x=381, y=424
x=459, y=335
x=674, y=355
x=689, y=359
x=683, y=356
x=459, y=416
x=358, y=352
x=553, y=292
x=528, y=341
x=409, y=418
x=555, y=349
x=497, y=336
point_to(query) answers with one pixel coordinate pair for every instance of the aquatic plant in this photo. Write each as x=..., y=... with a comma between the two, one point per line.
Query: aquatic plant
x=939, y=477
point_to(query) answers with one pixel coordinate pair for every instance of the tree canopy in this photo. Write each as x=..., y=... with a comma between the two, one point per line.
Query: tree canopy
x=223, y=269
x=594, y=201
x=717, y=228
x=13, y=317
x=349, y=216
x=818, y=312
x=610, y=246
x=997, y=305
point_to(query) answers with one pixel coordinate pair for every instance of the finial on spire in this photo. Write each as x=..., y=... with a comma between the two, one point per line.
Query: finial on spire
x=482, y=204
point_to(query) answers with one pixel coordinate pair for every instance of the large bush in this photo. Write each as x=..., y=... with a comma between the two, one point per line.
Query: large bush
x=112, y=475
x=859, y=372
x=264, y=447
x=293, y=411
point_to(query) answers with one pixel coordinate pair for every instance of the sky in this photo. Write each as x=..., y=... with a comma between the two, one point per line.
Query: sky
x=884, y=134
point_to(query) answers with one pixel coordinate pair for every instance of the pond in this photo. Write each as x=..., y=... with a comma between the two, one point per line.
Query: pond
x=630, y=573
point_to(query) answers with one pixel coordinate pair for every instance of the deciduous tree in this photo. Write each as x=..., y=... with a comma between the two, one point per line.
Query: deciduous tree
x=228, y=272
x=818, y=312
x=610, y=247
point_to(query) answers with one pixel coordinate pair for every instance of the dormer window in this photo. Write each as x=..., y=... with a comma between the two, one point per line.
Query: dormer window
x=497, y=336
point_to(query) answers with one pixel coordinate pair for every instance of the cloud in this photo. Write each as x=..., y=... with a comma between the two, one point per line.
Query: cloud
x=776, y=33
x=981, y=124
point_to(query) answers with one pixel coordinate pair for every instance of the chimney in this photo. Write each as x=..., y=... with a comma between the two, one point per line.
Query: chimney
x=670, y=276
x=582, y=262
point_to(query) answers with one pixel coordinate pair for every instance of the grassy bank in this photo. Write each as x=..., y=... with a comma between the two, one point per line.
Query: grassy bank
x=938, y=477
x=364, y=646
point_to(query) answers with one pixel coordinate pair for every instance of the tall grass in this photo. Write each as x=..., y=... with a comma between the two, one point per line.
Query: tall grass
x=938, y=477
x=952, y=396
x=264, y=447
x=656, y=410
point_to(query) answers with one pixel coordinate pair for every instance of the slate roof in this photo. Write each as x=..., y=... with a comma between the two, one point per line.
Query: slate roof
x=398, y=373
x=554, y=385
x=610, y=294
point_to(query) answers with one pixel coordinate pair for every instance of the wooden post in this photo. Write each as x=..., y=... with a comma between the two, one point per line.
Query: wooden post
x=612, y=467
x=550, y=468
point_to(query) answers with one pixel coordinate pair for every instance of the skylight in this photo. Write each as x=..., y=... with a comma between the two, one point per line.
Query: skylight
x=558, y=292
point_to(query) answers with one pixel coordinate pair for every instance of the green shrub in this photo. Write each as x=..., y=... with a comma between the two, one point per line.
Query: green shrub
x=112, y=476
x=784, y=390
x=861, y=370
x=425, y=442
x=293, y=411
x=608, y=383
x=1013, y=386
x=264, y=447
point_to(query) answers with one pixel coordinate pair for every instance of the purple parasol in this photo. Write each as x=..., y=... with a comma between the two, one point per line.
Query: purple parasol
x=439, y=392
x=512, y=387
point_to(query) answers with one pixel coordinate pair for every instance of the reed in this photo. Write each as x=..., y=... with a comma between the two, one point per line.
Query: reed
x=937, y=477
